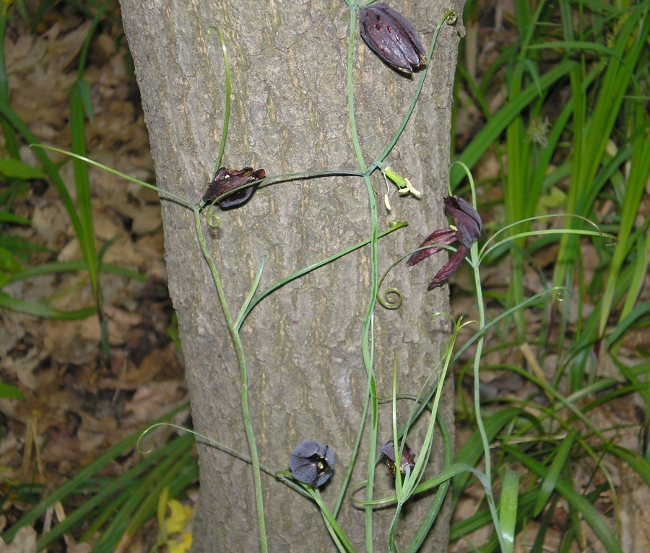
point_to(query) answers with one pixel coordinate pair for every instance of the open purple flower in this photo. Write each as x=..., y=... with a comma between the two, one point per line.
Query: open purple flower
x=407, y=462
x=466, y=229
x=312, y=463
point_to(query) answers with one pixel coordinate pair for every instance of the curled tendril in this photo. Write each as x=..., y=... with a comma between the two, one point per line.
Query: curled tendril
x=387, y=300
x=563, y=294
x=392, y=298
x=452, y=18
x=213, y=220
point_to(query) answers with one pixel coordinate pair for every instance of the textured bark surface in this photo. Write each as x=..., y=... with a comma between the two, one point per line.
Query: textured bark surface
x=289, y=113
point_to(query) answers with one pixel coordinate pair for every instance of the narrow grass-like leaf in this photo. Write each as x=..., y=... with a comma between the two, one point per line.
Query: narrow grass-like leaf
x=15, y=168
x=6, y=217
x=638, y=176
x=9, y=133
x=226, y=113
x=80, y=479
x=151, y=485
x=639, y=275
x=42, y=310
x=548, y=484
x=508, y=507
x=438, y=500
x=58, y=267
x=87, y=236
x=37, y=147
x=578, y=45
x=19, y=245
x=340, y=534
x=472, y=450
x=124, y=484
x=7, y=391
x=257, y=299
x=593, y=133
x=488, y=134
x=249, y=296
x=636, y=461
x=576, y=501
x=636, y=313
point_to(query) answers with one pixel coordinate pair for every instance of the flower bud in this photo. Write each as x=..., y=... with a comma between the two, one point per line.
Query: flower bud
x=389, y=34
x=228, y=179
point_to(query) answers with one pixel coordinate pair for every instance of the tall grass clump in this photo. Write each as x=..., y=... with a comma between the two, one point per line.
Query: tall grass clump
x=571, y=137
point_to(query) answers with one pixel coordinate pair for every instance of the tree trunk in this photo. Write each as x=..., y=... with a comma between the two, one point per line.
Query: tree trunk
x=307, y=378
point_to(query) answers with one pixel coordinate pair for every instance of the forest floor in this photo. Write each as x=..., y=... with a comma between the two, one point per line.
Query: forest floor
x=78, y=403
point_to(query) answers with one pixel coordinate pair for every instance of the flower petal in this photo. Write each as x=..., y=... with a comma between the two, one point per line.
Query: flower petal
x=466, y=218
x=312, y=463
x=449, y=268
x=440, y=237
x=390, y=35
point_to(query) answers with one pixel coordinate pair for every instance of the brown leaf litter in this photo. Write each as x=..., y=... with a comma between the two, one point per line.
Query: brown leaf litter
x=76, y=404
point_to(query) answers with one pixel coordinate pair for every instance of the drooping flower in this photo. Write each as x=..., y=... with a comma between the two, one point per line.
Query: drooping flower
x=228, y=179
x=312, y=463
x=466, y=229
x=407, y=462
x=390, y=35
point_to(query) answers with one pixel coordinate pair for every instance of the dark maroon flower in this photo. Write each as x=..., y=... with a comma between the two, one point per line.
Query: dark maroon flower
x=312, y=463
x=466, y=229
x=407, y=460
x=389, y=34
x=228, y=179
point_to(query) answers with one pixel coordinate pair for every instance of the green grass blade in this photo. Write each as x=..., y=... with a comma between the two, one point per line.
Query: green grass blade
x=80, y=479
x=11, y=141
x=59, y=267
x=438, y=500
x=42, y=310
x=638, y=463
x=124, y=483
x=472, y=450
x=7, y=391
x=508, y=507
x=578, y=45
x=638, y=176
x=639, y=274
x=15, y=168
x=87, y=237
x=50, y=168
x=489, y=134
x=6, y=217
x=548, y=484
x=576, y=501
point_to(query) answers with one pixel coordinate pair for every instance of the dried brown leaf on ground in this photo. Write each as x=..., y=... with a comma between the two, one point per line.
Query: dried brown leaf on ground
x=80, y=403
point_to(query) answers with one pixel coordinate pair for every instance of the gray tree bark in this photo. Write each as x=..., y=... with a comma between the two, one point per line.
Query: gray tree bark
x=303, y=344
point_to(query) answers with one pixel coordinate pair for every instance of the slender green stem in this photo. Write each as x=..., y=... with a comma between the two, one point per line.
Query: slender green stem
x=367, y=344
x=477, y=398
x=46, y=161
x=450, y=17
x=353, y=125
x=245, y=312
x=257, y=477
